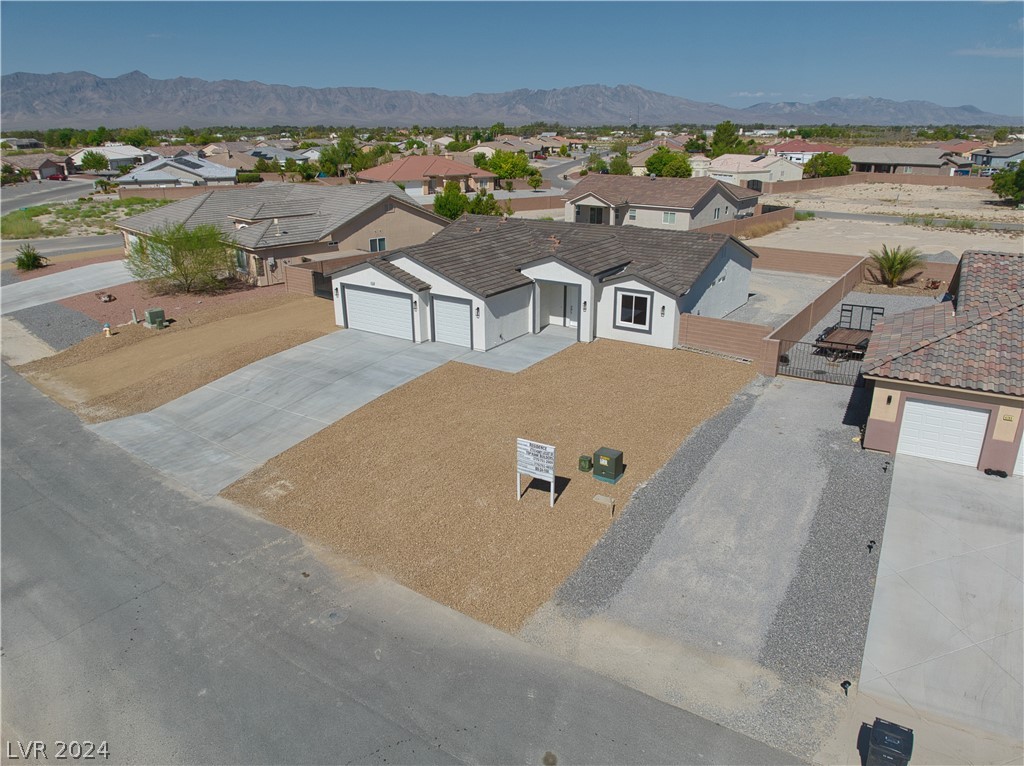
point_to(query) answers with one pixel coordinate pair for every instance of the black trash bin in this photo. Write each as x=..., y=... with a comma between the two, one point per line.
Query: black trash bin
x=890, y=745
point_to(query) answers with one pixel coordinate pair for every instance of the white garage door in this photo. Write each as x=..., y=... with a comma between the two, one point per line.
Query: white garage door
x=378, y=311
x=453, y=322
x=944, y=432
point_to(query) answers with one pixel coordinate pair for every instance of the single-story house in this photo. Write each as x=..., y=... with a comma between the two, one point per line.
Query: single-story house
x=227, y=147
x=677, y=204
x=960, y=146
x=41, y=165
x=753, y=171
x=800, y=151
x=179, y=150
x=428, y=175
x=22, y=143
x=281, y=156
x=117, y=155
x=485, y=280
x=896, y=159
x=948, y=379
x=530, y=148
x=999, y=156
x=179, y=171
x=277, y=224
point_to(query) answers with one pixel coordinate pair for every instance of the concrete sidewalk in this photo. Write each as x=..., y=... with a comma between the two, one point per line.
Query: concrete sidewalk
x=524, y=351
x=84, y=279
x=213, y=436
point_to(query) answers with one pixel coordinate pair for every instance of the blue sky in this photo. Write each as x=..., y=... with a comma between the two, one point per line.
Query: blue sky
x=735, y=54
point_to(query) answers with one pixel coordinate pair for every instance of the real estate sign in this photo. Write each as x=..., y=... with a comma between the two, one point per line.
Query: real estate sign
x=536, y=460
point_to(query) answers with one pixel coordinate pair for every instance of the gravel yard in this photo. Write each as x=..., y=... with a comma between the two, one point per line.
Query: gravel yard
x=138, y=369
x=56, y=324
x=419, y=484
x=902, y=200
x=738, y=583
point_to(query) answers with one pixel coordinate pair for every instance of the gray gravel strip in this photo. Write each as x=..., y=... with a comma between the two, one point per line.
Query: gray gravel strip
x=57, y=325
x=9, y=277
x=612, y=560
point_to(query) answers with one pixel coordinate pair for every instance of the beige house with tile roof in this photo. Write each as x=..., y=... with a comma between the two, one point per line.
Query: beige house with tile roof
x=948, y=380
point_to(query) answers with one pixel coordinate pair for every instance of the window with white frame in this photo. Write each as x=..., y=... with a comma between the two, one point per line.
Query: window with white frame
x=378, y=245
x=668, y=216
x=718, y=213
x=633, y=310
x=632, y=214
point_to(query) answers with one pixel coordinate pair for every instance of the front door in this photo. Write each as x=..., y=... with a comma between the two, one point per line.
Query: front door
x=572, y=305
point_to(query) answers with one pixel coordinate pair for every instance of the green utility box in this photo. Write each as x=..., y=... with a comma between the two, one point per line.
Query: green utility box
x=586, y=463
x=155, y=318
x=608, y=465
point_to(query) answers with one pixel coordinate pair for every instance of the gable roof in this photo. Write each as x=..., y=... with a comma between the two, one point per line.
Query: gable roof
x=897, y=155
x=683, y=193
x=194, y=166
x=485, y=254
x=303, y=213
x=33, y=161
x=974, y=345
x=1007, y=150
x=800, y=145
x=738, y=163
x=421, y=167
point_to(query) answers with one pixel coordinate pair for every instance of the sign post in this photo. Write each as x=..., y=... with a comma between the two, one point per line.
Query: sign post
x=536, y=460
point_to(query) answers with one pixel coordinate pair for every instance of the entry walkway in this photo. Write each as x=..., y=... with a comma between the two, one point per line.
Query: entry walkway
x=945, y=629
x=55, y=287
x=213, y=436
x=524, y=351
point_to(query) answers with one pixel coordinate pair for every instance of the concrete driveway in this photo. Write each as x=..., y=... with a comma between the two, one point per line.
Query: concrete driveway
x=945, y=630
x=213, y=436
x=55, y=287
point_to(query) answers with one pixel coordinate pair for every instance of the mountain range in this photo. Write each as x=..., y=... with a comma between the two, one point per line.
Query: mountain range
x=84, y=100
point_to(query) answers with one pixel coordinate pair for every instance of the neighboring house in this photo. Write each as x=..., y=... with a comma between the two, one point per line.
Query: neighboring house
x=674, y=204
x=485, y=280
x=753, y=171
x=118, y=155
x=895, y=159
x=1000, y=156
x=281, y=156
x=182, y=150
x=22, y=143
x=277, y=224
x=428, y=175
x=960, y=147
x=179, y=171
x=800, y=151
x=41, y=165
x=276, y=143
x=227, y=147
x=530, y=148
x=948, y=379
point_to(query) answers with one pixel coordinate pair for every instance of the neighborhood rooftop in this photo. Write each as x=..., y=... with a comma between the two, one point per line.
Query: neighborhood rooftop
x=683, y=193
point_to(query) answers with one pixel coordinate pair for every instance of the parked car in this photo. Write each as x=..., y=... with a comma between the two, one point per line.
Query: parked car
x=57, y=177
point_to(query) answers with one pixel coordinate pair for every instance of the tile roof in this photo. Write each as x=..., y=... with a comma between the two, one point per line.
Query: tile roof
x=975, y=344
x=33, y=161
x=743, y=162
x=194, y=166
x=304, y=213
x=896, y=155
x=798, y=145
x=1007, y=150
x=401, y=275
x=484, y=254
x=420, y=167
x=683, y=193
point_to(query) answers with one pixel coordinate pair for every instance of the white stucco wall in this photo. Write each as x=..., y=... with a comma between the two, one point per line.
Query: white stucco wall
x=367, y=276
x=723, y=287
x=650, y=218
x=664, y=329
x=553, y=271
x=441, y=286
x=507, y=315
x=705, y=215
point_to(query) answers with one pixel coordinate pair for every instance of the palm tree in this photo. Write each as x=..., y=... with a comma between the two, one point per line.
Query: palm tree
x=894, y=263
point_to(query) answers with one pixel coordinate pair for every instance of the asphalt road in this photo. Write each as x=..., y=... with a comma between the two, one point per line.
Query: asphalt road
x=51, y=246
x=178, y=630
x=36, y=193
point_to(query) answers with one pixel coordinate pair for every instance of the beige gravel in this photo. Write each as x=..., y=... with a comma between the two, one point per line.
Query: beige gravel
x=901, y=200
x=420, y=484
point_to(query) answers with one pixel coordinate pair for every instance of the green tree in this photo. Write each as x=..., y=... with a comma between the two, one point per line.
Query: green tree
x=663, y=159
x=679, y=167
x=1001, y=134
x=619, y=147
x=563, y=151
x=182, y=260
x=596, y=163
x=331, y=160
x=508, y=164
x=139, y=137
x=451, y=202
x=1009, y=184
x=94, y=161
x=619, y=166
x=535, y=182
x=892, y=264
x=485, y=204
x=825, y=165
x=727, y=140
x=696, y=144
x=263, y=165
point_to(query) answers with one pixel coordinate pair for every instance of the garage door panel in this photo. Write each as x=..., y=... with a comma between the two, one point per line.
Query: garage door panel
x=452, y=321
x=939, y=431
x=379, y=311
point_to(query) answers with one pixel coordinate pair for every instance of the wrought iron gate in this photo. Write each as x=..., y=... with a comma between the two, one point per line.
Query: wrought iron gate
x=804, y=360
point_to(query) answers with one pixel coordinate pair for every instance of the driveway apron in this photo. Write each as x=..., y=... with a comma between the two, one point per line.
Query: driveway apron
x=216, y=434
x=945, y=629
x=55, y=287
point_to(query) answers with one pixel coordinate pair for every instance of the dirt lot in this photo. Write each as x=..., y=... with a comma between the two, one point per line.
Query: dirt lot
x=902, y=200
x=138, y=369
x=59, y=263
x=857, y=237
x=420, y=484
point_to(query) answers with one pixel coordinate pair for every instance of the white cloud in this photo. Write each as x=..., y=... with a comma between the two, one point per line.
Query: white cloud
x=994, y=53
